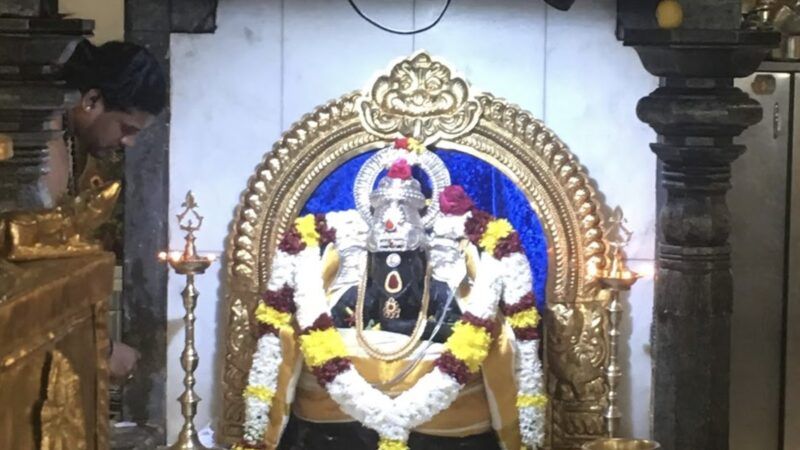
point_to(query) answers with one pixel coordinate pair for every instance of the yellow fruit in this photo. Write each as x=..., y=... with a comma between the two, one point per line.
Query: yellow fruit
x=669, y=14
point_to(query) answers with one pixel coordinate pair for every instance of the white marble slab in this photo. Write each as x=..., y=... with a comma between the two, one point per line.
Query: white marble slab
x=498, y=46
x=225, y=110
x=592, y=86
x=328, y=50
x=635, y=353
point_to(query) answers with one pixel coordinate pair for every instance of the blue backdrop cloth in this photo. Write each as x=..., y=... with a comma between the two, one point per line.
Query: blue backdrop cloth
x=489, y=188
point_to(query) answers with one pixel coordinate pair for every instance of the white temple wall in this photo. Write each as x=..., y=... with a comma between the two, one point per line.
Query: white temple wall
x=269, y=62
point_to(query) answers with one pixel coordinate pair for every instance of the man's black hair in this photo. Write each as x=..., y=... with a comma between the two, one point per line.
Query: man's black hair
x=127, y=75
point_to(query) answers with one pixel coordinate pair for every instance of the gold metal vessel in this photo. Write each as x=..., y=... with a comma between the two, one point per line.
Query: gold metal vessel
x=621, y=444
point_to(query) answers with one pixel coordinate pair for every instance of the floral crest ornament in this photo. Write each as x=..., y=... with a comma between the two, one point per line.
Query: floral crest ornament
x=419, y=98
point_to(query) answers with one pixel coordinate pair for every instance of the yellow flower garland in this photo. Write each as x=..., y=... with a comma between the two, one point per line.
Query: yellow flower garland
x=391, y=444
x=495, y=230
x=307, y=227
x=320, y=346
x=537, y=400
x=524, y=319
x=259, y=392
x=271, y=316
x=240, y=447
x=470, y=344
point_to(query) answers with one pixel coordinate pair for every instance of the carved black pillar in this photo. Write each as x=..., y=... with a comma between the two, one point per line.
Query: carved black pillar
x=34, y=41
x=696, y=112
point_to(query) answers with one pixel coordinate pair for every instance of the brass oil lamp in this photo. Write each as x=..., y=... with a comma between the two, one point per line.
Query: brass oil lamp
x=188, y=263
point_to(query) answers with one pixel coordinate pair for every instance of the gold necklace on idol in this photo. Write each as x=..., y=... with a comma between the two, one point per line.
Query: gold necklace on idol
x=419, y=328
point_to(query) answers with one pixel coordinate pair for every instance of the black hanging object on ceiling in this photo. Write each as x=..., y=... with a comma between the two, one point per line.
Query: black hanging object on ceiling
x=402, y=32
x=563, y=5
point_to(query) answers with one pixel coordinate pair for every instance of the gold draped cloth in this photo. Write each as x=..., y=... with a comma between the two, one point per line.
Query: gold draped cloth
x=486, y=402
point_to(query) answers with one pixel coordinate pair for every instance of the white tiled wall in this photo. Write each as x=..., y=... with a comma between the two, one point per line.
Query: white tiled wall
x=271, y=61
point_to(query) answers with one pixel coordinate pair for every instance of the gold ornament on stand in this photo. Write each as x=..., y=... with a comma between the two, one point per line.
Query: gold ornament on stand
x=68, y=230
x=188, y=263
x=616, y=278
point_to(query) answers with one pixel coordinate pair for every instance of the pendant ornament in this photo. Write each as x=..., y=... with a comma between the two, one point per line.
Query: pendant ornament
x=391, y=309
x=393, y=283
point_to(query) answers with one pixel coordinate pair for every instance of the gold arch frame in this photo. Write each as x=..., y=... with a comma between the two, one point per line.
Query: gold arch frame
x=500, y=133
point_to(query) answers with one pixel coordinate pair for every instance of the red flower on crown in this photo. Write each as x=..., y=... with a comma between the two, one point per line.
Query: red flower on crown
x=401, y=143
x=400, y=169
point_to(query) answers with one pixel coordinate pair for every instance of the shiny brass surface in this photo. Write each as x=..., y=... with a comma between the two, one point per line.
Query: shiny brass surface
x=621, y=444
x=577, y=351
x=62, y=416
x=419, y=98
x=512, y=140
x=6, y=147
x=617, y=278
x=64, y=231
x=188, y=263
x=53, y=355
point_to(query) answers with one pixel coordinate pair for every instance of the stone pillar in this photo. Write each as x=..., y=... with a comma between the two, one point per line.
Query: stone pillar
x=696, y=112
x=144, y=291
x=34, y=41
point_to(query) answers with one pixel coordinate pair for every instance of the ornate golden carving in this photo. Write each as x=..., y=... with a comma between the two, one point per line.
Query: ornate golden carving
x=577, y=347
x=66, y=230
x=506, y=137
x=577, y=350
x=63, y=423
x=419, y=98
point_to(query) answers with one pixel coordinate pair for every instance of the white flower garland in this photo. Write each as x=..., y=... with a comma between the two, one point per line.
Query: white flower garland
x=264, y=377
x=529, y=377
x=517, y=281
x=394, y=418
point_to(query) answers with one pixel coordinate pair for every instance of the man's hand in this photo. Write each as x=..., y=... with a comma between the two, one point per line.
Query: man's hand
x=122, y=361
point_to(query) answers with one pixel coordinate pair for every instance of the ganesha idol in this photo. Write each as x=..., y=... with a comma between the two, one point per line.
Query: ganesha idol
x=407, y=322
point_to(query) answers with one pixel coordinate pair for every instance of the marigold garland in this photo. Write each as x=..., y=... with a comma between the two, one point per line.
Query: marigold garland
x=307, y=227
x=470, y=344
x=326, y=354
x=391, y=444
x=495, y=231
x=320, y=346
x=259, y=392
x=537, y=401
x=524, y=319
x=272, y=317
